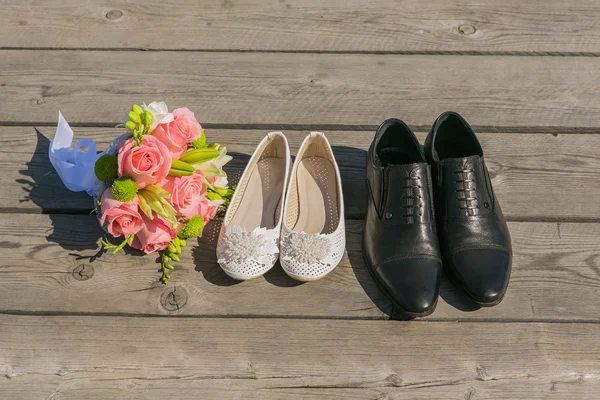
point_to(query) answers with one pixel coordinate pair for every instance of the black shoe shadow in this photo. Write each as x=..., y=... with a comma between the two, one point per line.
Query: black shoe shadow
x=368, y=284
x=44, y=188
x=351, y=162
x=456, y=297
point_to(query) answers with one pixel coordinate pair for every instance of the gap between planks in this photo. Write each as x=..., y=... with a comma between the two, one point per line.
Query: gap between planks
x=366, y=52
x=552, y=130
x=349, y=217
x=298, y=317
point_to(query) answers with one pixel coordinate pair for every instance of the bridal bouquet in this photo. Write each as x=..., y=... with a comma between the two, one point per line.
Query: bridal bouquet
x=155, y=186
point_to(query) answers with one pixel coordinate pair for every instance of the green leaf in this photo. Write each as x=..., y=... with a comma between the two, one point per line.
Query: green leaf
x=200, y=142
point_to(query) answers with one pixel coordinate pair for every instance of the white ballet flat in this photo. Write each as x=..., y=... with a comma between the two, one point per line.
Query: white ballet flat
x=248, y=243
x=313, y=235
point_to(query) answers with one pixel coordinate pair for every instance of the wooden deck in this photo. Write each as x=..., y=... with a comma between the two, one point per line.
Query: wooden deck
x=75, y=324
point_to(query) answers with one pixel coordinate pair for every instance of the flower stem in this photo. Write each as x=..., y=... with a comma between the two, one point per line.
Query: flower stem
x=119, y=247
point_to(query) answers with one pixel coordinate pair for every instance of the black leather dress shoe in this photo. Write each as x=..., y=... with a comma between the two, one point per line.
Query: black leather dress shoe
x=400, y=240
x=473, y=235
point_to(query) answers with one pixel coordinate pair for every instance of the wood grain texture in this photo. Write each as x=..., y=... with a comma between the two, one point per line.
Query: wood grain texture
x=305, y=25
x=317, y=89
x=79, y=324
x=555, y=277
x=534, y=175
x=142, y=358
x=49, y=252
x=568, y=387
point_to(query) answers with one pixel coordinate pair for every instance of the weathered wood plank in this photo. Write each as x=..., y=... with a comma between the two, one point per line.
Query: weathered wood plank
x=306, y=25
x=50, y=250
x=534, y=175
x=316, y=89
x=120, y=357
x=555, y=277
x=513, y=386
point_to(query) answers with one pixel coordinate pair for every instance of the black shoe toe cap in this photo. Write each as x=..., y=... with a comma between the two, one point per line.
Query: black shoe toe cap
x=483, y=274
x=414, y=284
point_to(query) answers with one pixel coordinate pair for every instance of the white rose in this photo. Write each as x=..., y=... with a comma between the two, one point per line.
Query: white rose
x=221, y=182
x=160, y=112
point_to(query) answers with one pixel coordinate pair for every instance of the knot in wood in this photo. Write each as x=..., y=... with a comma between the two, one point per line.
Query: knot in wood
x=83, y=272
x=466, y=29
x=174, y=299
x=114, y=14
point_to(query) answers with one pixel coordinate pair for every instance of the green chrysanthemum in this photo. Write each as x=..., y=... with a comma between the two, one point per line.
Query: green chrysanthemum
x=124, y=189
x=193, y=228
x=106, y=168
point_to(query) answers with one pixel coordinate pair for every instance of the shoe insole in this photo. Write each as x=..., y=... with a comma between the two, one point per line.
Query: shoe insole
x=397, y=156
x=317, y=196
x=262, y=195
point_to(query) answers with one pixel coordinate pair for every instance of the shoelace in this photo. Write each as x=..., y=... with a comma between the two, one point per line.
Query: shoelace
x=412, y=193
x=466, y=193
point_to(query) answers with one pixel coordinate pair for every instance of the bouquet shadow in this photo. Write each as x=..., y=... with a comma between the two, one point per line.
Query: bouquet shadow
x=73, y=227
x=205, y=257
x=135, y=187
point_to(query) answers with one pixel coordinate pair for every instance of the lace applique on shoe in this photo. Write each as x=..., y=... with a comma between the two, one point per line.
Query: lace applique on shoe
x=306, y=248
x=241, y=246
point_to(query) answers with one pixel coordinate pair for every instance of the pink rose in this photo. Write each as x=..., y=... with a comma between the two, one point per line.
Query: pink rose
x=206, y=210
x=178, y=133
x=123, y=218
x=185, y=121
x=171, y=138
x=211, y=212
x=187, y=194
x=156, y=234
x=147, y=163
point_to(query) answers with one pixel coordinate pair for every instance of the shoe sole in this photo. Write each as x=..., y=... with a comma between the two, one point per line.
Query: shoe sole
x=304, y=279
x=390, y=297
x=242, y=278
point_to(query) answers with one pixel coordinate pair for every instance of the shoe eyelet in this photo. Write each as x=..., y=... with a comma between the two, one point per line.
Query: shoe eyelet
x=486, y=204
x=388, y=215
